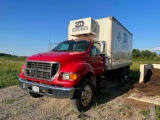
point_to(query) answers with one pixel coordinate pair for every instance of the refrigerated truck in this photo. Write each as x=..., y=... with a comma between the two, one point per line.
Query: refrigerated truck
x=70, y=70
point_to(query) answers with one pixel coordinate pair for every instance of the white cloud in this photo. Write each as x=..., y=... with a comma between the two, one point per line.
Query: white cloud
x=156, y=49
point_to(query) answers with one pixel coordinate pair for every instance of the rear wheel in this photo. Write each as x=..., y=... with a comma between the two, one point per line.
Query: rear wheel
x=123, y=75
x=83, y=96
x=34, y=95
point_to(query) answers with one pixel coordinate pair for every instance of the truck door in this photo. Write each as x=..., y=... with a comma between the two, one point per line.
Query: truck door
x=96, y=60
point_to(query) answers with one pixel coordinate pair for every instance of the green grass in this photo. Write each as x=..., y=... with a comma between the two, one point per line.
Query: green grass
x=157, y=112
x=145, y=113
x=10, y=101
x=9, y=70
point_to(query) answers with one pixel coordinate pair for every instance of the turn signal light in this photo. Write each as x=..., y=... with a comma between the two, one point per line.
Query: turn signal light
x=74, y=76
x=70, y=76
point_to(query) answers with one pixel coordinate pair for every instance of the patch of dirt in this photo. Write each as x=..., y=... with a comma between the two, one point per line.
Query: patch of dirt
x=149, y=90
x=151, y=86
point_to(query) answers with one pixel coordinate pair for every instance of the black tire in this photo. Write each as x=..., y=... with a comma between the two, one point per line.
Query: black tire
x=123, y=76
x=83, y=96
x=34, y=95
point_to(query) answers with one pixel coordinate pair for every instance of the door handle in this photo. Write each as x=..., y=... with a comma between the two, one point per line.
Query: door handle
x=92, y=59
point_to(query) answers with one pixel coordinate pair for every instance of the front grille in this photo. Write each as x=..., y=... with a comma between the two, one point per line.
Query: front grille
x=41, y=70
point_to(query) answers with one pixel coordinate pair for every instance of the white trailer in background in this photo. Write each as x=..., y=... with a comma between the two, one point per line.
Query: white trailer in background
x=116, y=40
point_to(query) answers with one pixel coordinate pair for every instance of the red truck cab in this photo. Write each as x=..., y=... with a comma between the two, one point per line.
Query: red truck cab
x=67, y=71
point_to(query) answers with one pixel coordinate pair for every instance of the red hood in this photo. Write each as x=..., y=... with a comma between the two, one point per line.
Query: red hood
x=57, y=56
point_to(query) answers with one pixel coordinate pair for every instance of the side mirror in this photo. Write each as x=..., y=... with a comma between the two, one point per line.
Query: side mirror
x=102, y=54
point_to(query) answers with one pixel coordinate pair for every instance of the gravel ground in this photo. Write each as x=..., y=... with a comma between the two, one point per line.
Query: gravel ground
x=111, y=103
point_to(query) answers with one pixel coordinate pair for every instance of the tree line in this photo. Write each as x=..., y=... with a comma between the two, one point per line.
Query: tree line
x=144, y=54
x=7, y=55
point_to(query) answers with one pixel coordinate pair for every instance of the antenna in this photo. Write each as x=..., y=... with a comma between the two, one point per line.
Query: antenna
x=49, y=44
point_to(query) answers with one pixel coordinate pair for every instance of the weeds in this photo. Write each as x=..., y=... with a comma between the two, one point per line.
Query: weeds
x=145, y=113
x=10, y=101
x=124, y=108
x=9, y=70
x=127, y=106
x=158, y=112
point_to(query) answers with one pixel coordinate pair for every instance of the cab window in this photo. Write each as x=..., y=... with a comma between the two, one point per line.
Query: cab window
x=63, y=47
x=96, y=49
x=73, y=45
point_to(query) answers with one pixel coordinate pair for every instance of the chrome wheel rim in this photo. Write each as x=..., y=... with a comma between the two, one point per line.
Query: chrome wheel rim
x=86, y=95
x=125, y=77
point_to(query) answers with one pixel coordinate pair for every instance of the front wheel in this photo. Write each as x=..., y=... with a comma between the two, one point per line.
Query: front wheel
x=83, y=96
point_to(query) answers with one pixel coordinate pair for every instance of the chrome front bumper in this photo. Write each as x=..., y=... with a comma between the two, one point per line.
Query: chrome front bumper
x=47, y=90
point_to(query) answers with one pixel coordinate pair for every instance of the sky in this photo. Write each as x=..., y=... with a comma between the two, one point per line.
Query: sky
x=27, y=26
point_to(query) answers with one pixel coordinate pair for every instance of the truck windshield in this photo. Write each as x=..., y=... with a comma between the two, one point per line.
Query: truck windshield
x=72, y=45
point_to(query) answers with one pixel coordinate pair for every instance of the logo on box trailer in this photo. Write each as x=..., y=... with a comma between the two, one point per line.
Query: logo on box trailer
x=79, y=26
x=123, y=40
x=79, y=23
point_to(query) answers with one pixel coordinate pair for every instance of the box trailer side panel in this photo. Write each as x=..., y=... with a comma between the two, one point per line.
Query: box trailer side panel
x=118, y=41
x=121, y=48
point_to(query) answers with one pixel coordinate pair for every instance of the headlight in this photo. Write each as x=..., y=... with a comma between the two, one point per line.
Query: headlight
x=70, y=76
x=65, y=76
